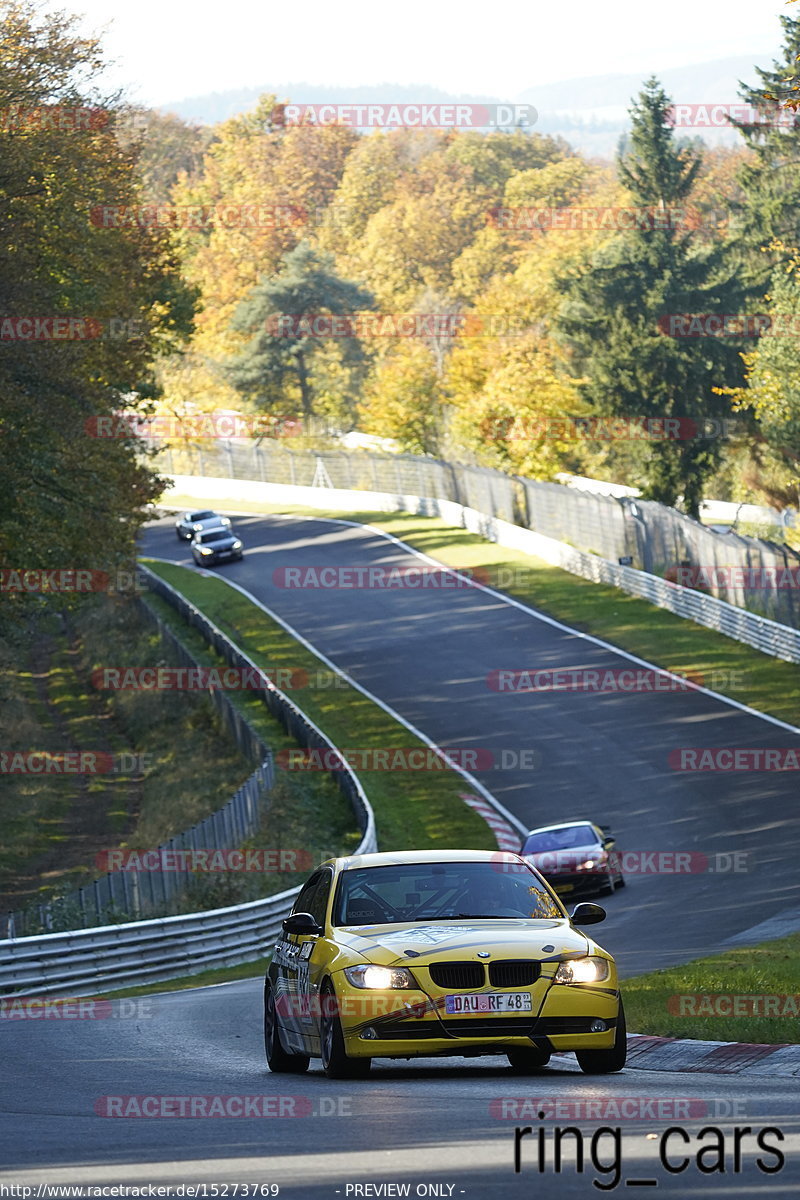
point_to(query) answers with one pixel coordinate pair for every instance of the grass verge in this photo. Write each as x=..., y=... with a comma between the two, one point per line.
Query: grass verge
x=692, y=1001
x=55, y=823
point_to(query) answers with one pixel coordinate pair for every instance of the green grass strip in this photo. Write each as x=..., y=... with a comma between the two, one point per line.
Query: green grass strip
x=692, y=1001
x=414, y=809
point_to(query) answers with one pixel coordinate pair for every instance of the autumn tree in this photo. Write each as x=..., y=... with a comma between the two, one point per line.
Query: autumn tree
x=772, y=390
x=107, y=300
x=770, y=178
x=613, y=317
x=279, y=360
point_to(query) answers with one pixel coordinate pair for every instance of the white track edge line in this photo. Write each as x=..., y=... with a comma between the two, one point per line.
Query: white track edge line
x=471, y=780
x=589, y=637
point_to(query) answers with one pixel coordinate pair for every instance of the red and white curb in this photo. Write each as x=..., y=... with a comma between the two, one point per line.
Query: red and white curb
x=712, y=1058
x=506, y=835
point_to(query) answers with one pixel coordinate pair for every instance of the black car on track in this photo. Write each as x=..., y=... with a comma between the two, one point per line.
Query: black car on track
x=214, y=545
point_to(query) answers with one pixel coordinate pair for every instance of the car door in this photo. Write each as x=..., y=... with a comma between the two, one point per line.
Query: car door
x=312, y=961
x=296, y=976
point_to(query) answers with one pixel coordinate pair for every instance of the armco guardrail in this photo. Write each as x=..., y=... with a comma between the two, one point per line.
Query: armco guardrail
x=770, y=637
x=119, y=893
x=87, y=961
x=654, y=536
x=91, y=961
x=780, y=641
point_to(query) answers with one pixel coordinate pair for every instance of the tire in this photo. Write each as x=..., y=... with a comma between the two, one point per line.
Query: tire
x=335, y=1062
x=607, y=888
x=621, y=881
x=527, y=1062
x=604, y=1062
x=278, y=1059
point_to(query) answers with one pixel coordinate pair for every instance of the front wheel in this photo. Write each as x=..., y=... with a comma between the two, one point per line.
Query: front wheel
x=335, y=1061
x=278, y=1059
x=526, y=1062
x=607, y=888
x=603, y=1062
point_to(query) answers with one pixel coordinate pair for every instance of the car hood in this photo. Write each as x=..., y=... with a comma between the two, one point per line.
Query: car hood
x=220, y=543
x=550, y=860
x=457, y=940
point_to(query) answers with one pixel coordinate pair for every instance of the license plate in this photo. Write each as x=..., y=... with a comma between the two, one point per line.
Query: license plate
x=488, y=1002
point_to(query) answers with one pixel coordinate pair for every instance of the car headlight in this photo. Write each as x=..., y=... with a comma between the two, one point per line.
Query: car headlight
x=591, y=864
x=205, y=550
x=380, y=977
x=237, y=545
x=224, y=521
x=582, y=970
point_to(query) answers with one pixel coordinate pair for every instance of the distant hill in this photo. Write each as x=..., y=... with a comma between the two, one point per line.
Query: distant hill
x=590, y=112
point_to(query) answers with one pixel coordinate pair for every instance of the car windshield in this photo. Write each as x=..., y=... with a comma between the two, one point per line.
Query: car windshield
x=571, y=836
x=215, y=535
x=442, y=892
x=201, y=516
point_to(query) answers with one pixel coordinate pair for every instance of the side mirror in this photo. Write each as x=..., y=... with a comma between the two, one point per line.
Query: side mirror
x=587, y=914
x=304, y=923
x=608, y=842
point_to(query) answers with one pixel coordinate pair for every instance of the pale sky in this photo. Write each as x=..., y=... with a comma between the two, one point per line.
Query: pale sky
x=167, y=50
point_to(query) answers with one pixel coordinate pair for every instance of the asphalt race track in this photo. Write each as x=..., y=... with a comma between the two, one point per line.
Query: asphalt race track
x=444, y=1127
x=428, y=653
x=420, y=1123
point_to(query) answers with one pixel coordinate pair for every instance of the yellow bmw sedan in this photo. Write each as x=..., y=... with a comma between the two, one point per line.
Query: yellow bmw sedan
x=421, y=953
